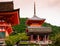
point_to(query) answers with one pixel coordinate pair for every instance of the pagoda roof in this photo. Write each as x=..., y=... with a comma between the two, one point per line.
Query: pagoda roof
x=36, y=18
x=8, y=13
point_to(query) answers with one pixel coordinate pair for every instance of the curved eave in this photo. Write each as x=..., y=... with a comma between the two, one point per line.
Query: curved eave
x=10, y=10
x=30, y=21
x=14, y=16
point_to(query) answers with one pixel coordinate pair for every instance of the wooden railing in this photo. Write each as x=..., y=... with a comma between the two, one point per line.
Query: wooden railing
x=39, y=42
x=39, y=29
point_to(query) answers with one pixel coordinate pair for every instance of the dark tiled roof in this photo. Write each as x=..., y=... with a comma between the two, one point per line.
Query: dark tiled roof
x=6, y=6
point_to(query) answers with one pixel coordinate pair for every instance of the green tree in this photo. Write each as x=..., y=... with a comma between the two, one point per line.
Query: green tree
x=11, y=40
x=21, y=27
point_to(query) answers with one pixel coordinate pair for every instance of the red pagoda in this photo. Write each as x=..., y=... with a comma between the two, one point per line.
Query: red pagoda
x=8, y=17
x=36, y=32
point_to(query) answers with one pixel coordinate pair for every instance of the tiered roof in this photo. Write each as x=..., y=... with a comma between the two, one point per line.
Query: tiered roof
x=8, y=13
x=35, y=19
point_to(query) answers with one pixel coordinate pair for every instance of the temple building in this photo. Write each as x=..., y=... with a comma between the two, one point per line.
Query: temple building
x=36, y=32
x=8, y=17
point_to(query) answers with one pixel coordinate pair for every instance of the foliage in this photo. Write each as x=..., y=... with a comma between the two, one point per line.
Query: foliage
x=24, y=42
x=56, y=40
x=21, y=27
x=13, y=39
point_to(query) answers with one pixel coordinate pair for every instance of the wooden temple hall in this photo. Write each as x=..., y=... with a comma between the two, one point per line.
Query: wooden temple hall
x=8, y=17
x=36, y=32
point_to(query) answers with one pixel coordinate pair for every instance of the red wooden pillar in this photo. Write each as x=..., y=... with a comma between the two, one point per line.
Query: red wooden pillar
x=38, y=39
x=48, y=38
x=31, y=38
x=44, y=39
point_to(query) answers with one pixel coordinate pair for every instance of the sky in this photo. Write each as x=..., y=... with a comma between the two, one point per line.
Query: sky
x=48, y=9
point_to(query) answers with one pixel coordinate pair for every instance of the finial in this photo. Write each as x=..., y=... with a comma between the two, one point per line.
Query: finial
x=34, y=9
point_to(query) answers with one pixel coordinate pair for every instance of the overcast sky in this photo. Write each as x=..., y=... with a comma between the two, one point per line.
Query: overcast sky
x=48, y=9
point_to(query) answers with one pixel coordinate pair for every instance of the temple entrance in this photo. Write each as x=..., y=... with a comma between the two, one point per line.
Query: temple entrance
x=41, y=38
x=35, y=37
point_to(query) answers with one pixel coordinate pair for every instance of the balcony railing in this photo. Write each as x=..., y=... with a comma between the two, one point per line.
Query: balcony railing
x=43, y=42
x=38, y=42
x=39, y=29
